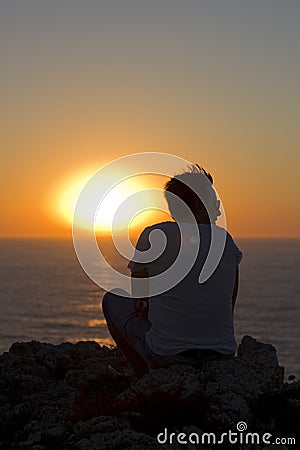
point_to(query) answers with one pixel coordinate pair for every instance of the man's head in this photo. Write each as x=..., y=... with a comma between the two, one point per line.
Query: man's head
x=195, y=187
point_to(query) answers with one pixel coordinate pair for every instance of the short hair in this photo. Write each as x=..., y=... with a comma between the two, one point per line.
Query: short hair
x=193, y=178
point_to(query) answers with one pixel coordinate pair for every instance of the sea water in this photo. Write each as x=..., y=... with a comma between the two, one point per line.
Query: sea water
x=45, y=295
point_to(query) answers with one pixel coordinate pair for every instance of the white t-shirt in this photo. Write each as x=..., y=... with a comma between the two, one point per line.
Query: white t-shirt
x=191, y=315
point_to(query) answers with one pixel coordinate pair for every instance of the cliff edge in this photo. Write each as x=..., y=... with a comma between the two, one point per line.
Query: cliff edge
x=85, y=396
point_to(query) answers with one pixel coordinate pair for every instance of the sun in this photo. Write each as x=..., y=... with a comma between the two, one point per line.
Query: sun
x=67, y=193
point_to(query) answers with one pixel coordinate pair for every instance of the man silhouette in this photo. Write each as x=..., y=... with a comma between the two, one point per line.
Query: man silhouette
x=191, y=322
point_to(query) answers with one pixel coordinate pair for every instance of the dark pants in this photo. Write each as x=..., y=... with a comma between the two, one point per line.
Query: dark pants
x=128, y=331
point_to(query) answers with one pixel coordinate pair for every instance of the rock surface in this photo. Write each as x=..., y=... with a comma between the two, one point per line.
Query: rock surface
x=84, y=396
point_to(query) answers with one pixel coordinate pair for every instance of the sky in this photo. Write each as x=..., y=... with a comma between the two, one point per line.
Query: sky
x=214, y=82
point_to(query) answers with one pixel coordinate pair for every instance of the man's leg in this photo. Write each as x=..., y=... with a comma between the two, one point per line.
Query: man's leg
x=118, y=311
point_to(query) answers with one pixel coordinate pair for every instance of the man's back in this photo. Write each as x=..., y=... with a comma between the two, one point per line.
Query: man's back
x=191, y=315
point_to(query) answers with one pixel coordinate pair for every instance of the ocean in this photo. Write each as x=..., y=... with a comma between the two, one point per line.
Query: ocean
x=45, y=295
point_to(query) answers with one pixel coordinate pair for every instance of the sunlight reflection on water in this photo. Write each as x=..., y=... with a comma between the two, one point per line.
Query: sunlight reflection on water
x=45, y=295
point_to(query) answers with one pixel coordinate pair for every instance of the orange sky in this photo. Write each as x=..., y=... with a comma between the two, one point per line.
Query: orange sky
x=84, y=84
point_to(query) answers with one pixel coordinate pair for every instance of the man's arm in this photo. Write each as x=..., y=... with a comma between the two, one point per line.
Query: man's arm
x=236, y=287
x=140, y=292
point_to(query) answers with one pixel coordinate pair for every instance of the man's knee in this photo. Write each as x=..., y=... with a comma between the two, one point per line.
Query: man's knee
x=110, y=302
x=105, y=302
x=116, y=308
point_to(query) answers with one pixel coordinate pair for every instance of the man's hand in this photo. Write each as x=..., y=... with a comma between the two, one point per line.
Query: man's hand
x=140, y=293
x=141, y=306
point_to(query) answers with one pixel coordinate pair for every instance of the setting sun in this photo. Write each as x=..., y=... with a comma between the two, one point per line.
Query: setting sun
x=65, y=197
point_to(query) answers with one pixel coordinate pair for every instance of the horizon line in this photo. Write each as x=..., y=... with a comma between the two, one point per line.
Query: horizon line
x=109, y=235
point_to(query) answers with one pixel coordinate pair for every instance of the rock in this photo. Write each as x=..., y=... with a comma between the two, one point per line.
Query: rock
x=47, y=356
x=262, y=359
x=223, y=390
x=84, y=396
x=53, y=434
x=26, y=444
x=292, y=389
x=98, y=373
x=35, y=437
x=101, y=424
x=84, y=444
x=107, y=432
x=131, y=439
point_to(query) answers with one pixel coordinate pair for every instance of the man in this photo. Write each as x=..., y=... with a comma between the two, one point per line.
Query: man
x=190, y=322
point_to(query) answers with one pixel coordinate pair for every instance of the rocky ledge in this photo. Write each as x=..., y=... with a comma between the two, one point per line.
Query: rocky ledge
x=85, y=396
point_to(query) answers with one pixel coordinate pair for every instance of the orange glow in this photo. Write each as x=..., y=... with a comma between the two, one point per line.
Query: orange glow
x=39, y=203
x=85, y=85
x=64, y=197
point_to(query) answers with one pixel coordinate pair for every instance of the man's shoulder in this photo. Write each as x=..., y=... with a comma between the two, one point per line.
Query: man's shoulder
x=167, y=228
x=233, y=247
x=167, y=225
